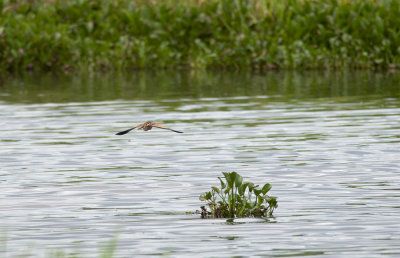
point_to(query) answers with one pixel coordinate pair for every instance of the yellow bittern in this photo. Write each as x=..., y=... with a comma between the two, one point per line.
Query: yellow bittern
x=146, y=127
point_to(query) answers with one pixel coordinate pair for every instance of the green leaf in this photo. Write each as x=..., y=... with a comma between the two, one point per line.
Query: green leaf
x=251, y=205
x=240, y=212
x=273, y=203
x=260, y=200
x=266, y=188
x=208, y=195
x=251, y=187
x=223, y=185
x=216, y=189
x=226, y=175
x=238, y=180
x=229, y=179
x=227, y=190
x=257, y=192
x=242, y=188
x=232, y=176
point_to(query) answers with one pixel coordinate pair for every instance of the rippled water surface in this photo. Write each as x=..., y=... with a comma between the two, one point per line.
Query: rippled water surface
x=328, y=143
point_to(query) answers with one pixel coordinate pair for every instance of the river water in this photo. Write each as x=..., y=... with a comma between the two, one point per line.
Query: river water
x=328, y=143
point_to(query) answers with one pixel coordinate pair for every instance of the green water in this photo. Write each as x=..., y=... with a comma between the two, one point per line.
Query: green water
x=192, y=84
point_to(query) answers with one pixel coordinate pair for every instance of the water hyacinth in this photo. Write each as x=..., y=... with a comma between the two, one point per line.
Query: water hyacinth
x=235, y=198
x=253, y=34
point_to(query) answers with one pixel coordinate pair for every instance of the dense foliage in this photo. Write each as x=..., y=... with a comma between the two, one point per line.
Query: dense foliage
x=256, y=34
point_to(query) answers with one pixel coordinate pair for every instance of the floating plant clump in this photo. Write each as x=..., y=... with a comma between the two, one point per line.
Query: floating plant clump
x=235, y=198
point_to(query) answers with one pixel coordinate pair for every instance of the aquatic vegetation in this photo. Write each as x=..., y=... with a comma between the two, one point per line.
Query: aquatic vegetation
x=254, y=34
x=235, y=198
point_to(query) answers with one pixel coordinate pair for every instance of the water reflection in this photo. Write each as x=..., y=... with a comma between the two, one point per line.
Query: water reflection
x=159, y=86
x=328, y=144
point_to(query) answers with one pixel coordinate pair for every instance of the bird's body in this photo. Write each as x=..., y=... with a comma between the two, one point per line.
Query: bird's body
x=147, y=126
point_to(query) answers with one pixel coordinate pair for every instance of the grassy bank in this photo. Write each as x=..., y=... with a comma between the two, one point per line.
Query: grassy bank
x=256, y=34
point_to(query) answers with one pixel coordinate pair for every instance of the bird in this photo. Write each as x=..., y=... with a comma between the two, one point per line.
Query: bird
x=146, y=127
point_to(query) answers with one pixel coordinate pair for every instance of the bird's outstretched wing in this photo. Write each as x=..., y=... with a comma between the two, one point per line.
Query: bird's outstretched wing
x=166, y=128
x=127, y=131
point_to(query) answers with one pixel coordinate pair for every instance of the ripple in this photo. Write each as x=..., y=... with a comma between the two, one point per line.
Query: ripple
x=66, y=177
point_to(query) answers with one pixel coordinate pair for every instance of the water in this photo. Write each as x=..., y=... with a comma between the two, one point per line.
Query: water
x=327, y=142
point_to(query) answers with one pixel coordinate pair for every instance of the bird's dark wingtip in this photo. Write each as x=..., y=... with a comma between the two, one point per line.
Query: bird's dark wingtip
x=122, y=133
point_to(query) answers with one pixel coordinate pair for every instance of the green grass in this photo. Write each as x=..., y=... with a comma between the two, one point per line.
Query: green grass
x=250, y=34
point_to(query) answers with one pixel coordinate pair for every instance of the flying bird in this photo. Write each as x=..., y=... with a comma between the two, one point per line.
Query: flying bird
x=146, y=127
